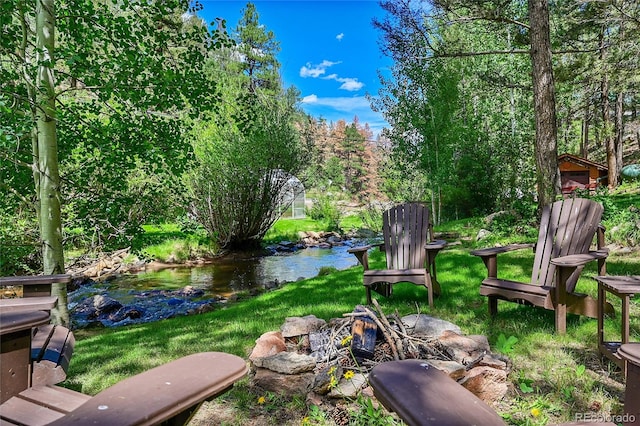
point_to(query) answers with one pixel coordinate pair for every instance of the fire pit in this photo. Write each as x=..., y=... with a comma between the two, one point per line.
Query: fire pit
x=331, y=360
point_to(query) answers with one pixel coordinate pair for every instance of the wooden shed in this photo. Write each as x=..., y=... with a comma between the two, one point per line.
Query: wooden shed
x=580, y=173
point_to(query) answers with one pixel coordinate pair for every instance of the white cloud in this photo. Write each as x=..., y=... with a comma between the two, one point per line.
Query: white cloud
x=310, y=99
x=348, y=83
x=316, y=71
x=340, y=36
x=345, y=104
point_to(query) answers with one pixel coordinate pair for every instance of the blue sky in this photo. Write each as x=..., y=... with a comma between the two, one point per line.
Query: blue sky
x=328, y=50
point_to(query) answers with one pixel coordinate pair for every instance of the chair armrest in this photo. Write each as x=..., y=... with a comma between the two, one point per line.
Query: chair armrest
x=436, y=245
x=362, y=253
x=493, y=251
x=35, y=285
x=359, y=249
x=161, y=393
x=576, y=260
x=490, y=256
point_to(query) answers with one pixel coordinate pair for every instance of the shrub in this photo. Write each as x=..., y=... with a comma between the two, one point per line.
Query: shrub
x=325, y=209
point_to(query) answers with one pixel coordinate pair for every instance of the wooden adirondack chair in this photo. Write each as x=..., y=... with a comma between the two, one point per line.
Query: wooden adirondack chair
x=410, y=251
x=567, y=230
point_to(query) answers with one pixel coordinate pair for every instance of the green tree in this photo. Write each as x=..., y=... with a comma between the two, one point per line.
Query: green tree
x=422, y=33
x=246, y=152
x=117, y=67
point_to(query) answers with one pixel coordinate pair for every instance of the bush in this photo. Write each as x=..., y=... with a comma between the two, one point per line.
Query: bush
x=326, y=209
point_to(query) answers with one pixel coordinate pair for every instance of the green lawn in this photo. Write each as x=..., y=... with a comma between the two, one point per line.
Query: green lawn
x=553, y=377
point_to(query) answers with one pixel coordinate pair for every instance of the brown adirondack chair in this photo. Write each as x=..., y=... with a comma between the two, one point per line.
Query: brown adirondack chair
x=410, y=251
x=422, y=395
x=567, y=230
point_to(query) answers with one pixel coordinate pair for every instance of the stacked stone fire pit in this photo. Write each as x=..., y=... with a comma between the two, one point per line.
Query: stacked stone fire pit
x=326, y=361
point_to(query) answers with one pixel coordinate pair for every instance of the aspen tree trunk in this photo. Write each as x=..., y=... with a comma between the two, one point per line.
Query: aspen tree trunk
x=46, y=156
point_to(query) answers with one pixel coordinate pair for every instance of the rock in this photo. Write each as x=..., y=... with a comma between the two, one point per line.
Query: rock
x=428, y=326
x=287, y=363
x=488, y=384
x=482, y=234
x=349, y=388
x=492, y=360
x=297, y=326
x=326, y=378
x=269, y=344
x=190, y=291
x=297, y=384
x=454, y=369
x=463, y=348
x=482, y=341
x=130, y=312
x=105, y=304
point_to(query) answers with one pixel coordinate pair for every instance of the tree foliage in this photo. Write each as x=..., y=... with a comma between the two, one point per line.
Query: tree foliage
x=507, y=118
x=248, y=150
x=105, y=104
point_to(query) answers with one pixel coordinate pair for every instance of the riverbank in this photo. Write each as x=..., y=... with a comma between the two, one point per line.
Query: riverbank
x=154, y=291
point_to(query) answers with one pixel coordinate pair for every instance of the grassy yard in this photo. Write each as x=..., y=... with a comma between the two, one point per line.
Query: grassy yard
x=553, y=378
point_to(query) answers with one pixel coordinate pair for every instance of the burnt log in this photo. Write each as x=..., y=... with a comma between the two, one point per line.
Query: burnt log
x=363, y=332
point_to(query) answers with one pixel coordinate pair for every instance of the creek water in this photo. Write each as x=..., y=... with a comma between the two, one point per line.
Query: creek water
x=220, y=279
x=229, y=275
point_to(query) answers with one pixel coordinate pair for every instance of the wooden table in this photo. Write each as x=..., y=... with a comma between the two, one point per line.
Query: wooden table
x=624, y=287
x=15, y=350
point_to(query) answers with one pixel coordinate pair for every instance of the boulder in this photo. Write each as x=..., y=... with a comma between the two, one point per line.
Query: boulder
x=298, y=326
x=270, y=343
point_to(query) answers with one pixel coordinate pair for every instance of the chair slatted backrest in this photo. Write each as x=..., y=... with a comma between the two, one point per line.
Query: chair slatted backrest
x=566, y=227
x=406, y=231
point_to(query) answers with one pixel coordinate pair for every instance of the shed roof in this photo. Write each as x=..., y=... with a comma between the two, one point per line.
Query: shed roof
x=580, y=161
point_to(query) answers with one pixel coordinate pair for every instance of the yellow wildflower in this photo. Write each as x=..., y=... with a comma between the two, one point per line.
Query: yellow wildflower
x=535, y=412
x=332, y=370
x=345, y=341
x=333, y=383
x=349, y=374
x=262, y=400
x=306, y=421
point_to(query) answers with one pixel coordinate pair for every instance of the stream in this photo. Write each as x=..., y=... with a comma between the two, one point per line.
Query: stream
x=151, y=296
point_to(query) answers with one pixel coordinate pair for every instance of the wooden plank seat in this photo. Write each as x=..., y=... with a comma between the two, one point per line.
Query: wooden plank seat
x=169, y=394
x=422, y=395
x=566, y=234
x=410, y=252
x=45, y=303
x=51, y=350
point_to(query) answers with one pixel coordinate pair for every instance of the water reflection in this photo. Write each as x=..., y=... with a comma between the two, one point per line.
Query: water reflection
x=230, y=275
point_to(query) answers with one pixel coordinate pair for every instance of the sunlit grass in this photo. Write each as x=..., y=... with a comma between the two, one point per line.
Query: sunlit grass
x=560, y=375
x=550, y=361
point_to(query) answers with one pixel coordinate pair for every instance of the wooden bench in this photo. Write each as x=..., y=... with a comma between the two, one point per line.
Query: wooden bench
x=51, y=346
x=169, y=394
